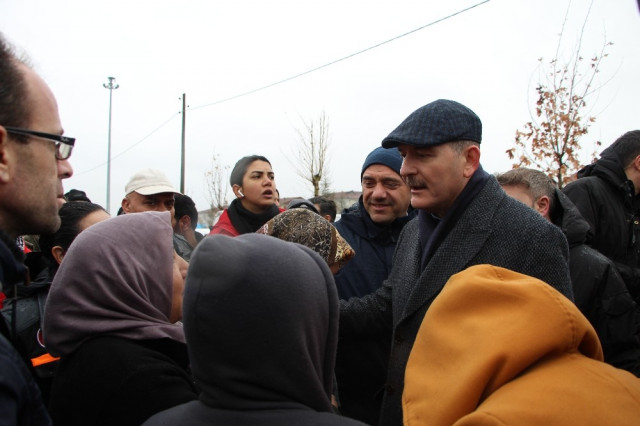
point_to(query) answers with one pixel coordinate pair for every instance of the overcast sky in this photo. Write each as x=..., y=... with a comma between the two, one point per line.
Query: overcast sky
x=486, y=58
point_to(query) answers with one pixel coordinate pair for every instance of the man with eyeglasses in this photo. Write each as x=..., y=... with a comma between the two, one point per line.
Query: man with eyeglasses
x=33, y=161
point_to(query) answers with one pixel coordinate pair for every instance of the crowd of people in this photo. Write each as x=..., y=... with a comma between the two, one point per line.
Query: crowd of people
x=445, y=295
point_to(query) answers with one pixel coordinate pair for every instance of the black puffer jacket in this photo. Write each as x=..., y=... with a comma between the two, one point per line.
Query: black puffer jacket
x=606, y=199
x=599, y=291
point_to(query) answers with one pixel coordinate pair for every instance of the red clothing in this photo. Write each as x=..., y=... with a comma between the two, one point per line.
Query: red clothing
x=224, y=226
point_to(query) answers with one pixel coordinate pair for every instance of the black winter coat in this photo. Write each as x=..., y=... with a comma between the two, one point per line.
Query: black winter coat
x=361, y=363
x=606, y=199
x=494, y=229
x=599, y=291
x=20, y=400
x=111, y=380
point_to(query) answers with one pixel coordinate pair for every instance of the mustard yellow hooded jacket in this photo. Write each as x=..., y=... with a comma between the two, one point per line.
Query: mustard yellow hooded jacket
x=501, y=348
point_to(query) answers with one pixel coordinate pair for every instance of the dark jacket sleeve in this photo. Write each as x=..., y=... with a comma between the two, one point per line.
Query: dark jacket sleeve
x=368, y=315
x=20, y=400
x=602, y=296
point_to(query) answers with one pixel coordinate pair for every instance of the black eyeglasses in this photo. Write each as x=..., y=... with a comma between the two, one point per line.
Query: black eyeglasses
x=64, y=144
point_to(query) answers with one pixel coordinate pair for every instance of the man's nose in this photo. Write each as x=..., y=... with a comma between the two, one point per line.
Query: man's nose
x=65, y=171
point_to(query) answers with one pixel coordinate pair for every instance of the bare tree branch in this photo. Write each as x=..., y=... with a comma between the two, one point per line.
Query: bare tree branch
x=216, y=180
x=312, y=156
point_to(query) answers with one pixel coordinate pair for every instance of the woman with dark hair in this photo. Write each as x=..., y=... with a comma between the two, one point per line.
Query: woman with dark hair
x=253, y=183
x=24, y=314
x=113, y=315
x=75, y=217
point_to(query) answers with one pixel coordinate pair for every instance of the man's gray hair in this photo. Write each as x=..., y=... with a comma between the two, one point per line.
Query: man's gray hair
x=535, y=182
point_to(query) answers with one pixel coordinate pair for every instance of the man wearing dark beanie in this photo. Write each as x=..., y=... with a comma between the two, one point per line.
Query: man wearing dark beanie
x=464, y=219
x=372, y=227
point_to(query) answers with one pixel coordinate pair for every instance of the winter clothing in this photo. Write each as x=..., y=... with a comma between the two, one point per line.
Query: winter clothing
x=387, y=157
x=436, y=123
x=361, y=364
x=607, y=200
x=500, y=348
x=237, y=220
x=112, y=380
x=301, y=203
x=182, y=246
x=24, y=316
x=493, y=228
x=280, y=370
x=599, y=291
x=107, y=316
x=374, y=245
x=304, y=227
x=120, y=268
x=20, y=399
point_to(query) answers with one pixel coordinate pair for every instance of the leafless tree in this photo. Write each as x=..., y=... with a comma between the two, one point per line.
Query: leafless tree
x=312, y=155
x=217, y=184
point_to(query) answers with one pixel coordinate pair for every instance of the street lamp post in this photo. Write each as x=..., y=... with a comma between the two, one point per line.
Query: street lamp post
x=111, y=86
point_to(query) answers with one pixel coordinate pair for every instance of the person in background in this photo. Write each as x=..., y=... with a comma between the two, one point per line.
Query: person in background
x=253, y=183
x=149, y=190
x=26, y=327
x=372, y=227
x=326, y=207
x=76, y=195
x=301, y=203
x=464, y=219
x=501, y=348
x=33, y=162
x=599, y=291
x=185, y=237
x=113, y=315
x=280, y=372
x=606, y=194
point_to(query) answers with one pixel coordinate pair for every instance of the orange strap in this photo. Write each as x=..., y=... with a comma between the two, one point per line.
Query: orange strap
x=43, y=359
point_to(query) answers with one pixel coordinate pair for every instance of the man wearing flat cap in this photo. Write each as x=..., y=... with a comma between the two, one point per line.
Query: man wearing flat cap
x=464, y=219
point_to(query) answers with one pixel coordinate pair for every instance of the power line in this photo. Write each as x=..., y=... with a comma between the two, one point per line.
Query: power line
x=437, y=21
x=132, y=146
x=341, y=59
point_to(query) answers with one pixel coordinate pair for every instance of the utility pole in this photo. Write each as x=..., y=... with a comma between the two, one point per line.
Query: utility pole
x=111, y=86
x=184, y=113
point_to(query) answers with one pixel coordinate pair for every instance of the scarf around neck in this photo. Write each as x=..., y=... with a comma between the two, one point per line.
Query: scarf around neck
x=247, y=222
x=433, y=230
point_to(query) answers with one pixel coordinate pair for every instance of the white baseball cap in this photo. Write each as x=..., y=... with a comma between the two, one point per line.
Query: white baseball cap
x=149, y=182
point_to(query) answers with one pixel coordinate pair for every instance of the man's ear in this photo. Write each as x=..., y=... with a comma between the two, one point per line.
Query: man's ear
x=58, y=253
x=184, y=223
x=126, y=205
x=472, y=160
x=542, y=206
x=5, y=156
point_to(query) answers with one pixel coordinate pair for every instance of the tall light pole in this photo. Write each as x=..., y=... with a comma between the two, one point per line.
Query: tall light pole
x=111, y=86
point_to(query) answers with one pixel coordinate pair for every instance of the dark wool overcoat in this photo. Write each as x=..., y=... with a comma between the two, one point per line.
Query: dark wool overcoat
x=494, y=229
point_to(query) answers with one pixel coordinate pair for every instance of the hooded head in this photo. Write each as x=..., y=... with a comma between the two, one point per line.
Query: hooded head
x=261, y=321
